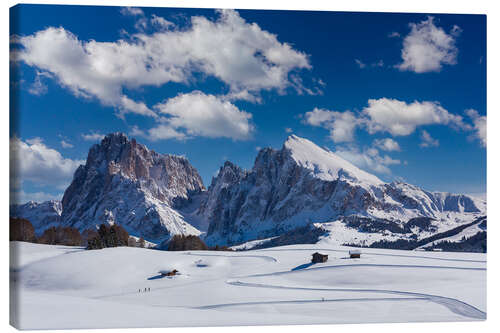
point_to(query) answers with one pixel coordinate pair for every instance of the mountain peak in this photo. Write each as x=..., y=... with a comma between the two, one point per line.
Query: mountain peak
x=125, y=182
x=116, y=137
x=325, y=164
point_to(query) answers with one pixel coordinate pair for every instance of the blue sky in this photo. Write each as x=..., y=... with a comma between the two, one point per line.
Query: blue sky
x=402, y=96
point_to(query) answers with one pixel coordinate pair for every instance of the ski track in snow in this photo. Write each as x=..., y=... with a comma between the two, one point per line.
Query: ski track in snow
x=305, y=301
x=454, y=305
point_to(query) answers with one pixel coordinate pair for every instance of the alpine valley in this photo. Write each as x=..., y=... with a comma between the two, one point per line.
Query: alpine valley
x=299, y=194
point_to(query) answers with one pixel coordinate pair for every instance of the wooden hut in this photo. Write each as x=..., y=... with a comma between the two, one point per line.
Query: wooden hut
x=318, y=257
x=354, y=254
x=168, y=273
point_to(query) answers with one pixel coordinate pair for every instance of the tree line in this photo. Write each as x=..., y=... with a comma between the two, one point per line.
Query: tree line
x=106, y=236
x=187, y=243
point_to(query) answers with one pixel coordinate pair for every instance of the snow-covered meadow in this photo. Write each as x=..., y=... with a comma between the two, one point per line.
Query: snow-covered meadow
x=69, y=287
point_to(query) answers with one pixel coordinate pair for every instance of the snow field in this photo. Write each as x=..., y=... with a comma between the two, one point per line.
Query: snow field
x=72, y=288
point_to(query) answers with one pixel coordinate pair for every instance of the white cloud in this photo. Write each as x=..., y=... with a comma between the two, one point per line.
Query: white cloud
x=38, y=87
x=240, y=54
x=387, y=144
x=159, y=132
x=131, y=11
x=131, y=106
x=428, y=47
x=396, y=117
x=479, y=125
x=33, y=161
x=288, y=130
x=428, y=140
x=242, y=95
x=394, y=34
x=369, y=159
x=341, y=125
x=401, y=118
x=199, y=114
x=93, y=136
x=65, y=144
x=362, y=65
x=161, y=22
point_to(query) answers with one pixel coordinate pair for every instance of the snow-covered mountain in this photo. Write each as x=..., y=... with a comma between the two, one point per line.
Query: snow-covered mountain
x=156, y=196
x=41, y=215
x=124, y=182
x=303, y=184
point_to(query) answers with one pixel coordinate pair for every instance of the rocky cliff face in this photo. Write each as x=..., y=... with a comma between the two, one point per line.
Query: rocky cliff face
x=124, y=182
x=303, y=183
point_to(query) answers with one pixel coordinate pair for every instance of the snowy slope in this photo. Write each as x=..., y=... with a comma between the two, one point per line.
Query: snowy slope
x=325, y=164
x=100, y=288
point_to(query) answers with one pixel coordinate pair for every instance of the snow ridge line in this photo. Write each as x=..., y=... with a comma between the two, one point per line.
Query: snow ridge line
x=454, y=305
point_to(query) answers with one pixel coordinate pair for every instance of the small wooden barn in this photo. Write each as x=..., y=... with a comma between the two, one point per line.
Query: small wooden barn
x=355, y=254
x=168, y=273
x=318, y=257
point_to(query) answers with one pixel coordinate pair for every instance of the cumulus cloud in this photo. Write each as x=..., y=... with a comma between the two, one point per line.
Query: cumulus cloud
x=400, y=118
x=240, y=54
x=199, y=114
x=395, y=117
x=387, y=144
x=428, y=47
x=479, y=125
x=32, y=160
x=159, y=132
x=93, y=136
x=39, y=87
x=65, y=144
x=394, y=34
x=341, y=125
x=161, y=22
x=427, y=140
x=368, y=159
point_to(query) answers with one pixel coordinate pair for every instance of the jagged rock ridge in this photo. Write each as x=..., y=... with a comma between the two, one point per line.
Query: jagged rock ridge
x=124, y=182
x=303, y=184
